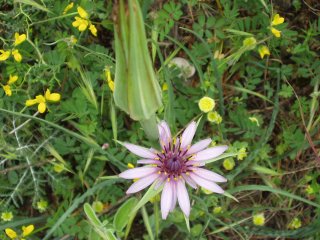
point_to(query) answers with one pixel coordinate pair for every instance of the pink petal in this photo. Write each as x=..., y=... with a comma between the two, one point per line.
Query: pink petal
x=195, y=163
x=174, y=196
x=183, y=198
x=209, y=175
x=199, y=146
x=164, y=134
x=149, y=161
x=159, y=182
x=139, y=172
x=188, y=134
x=142, y=183
x=206, y=184
x=166, y=199
x=140, y=151
x=189, y=181
x=209, y=153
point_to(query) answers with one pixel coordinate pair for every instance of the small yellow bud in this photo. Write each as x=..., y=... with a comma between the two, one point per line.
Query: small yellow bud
x=276, y=32
x=67, y=8
x=214, y=117
x=130, y=165
x=295, y=223
x=217, y=210
x=277, y=20
x=42, y=205
x=242, y=154
x=228, y=164
x=6, y=216
x=4, y=55
x=27, y=230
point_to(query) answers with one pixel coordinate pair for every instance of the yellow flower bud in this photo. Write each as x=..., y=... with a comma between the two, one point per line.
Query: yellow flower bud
x=214, y=117
x=277, y=20
x=7, y=90
x=93, y=30
x=4, y=55
x=12, y=79
x=82, y=12
x=67, y=8
x=27, y=230
x=16, y=55
x=228, y=164
x=276, y=32
x=11, y=233
x=6, y=216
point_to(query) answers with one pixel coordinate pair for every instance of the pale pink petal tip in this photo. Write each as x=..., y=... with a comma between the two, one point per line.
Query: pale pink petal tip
x=142, y=183
x=183, y=198
x=210, y=153
x=199, y=146
x=188, y=135
x=137, y=172
x=213, y=187
x=166, y=199
x=140, y=151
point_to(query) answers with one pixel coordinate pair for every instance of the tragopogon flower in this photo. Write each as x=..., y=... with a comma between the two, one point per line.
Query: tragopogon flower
x=176, y=164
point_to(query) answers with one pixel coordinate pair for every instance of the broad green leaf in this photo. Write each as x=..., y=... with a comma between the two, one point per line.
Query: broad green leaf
x=121, y=217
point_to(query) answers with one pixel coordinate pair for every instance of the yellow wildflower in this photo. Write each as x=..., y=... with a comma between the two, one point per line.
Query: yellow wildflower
x=277, y=20
x=164, y=87
x=27, y=230
x=19, y=38
x=109, y=80
x=17, y=56
x=6, y=216
x=130, y=165
x=263, y=50
x=228, y=164
x=242, y=154
x=4, y=55
x=41, y=100
x=93, y=30
x=11, y=233
x=12, y=79
x=82, y=12
x=276, y=32
x=7, y=90
x=258, y=219
x=67, y=8
x=80, y=23
x=214, y=117
x=206, y=104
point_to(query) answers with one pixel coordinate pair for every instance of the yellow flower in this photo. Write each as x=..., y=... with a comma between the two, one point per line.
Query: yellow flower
x=80, y=23
x=277, y=20
x=53, y=97
x=41, y=100
x=27, y=230
x=4, y=55
x=6, y=216
x=263, y=50
x=12, y=79
x=7, y=90
x=228, y=164
x=93, y=30
x=206, y=104
x=258, y=219
x=255, y=120
x=214, y=117
x=242, y=154
x=276, y=32
x=130, y=165
x=82, y=12
x=68, y=7
x=19, y=38
x=164, y=87
x=11, y=233
x=17, y=56
x=109, y=80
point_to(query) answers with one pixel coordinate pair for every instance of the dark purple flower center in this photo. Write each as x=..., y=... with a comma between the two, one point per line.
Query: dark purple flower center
x=174, y=162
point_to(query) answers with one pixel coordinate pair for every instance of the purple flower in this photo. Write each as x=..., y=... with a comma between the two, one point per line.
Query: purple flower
x=178, y=163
